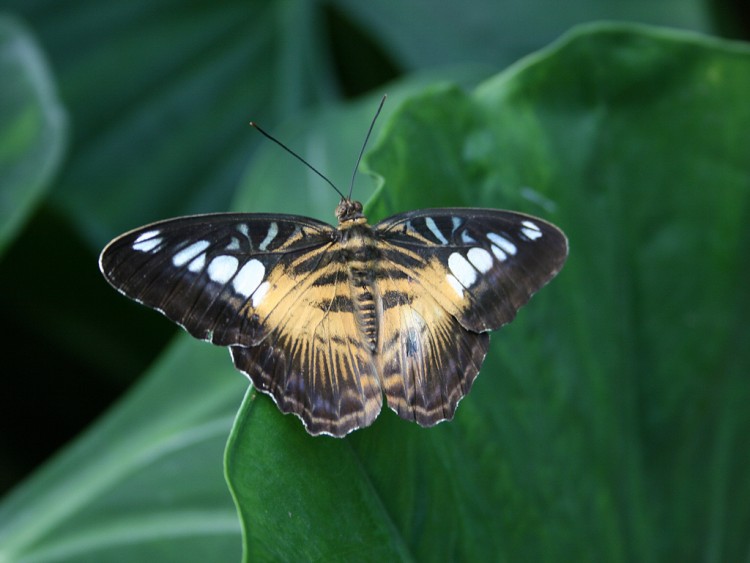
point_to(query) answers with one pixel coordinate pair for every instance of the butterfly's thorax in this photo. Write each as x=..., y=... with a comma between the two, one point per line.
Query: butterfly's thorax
x=361, y=255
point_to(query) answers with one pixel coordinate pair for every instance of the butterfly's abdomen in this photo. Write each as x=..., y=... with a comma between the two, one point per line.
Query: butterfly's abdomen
x=362, y=256
x=364, y=301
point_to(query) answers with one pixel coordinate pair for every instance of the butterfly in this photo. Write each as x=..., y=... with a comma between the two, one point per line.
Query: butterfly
x=328, y=320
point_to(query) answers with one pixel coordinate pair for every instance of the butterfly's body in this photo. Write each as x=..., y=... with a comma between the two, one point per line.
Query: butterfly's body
x=359, y=251
x=327, y=319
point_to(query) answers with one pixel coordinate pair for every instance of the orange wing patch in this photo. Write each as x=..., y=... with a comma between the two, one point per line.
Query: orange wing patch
x=427, y=360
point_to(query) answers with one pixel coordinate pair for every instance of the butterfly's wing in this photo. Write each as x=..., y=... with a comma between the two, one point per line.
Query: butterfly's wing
x=314, y=361
x=206, y=272
x=267, y=287
x=426, y=359
x=482, y=265
x=457, y=273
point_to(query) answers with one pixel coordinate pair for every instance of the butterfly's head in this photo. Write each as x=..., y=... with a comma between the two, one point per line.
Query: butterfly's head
x=349, y=210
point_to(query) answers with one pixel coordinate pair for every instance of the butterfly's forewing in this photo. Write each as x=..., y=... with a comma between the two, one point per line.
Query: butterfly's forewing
x=458, y=273
x=209, y=273
x=482, y=265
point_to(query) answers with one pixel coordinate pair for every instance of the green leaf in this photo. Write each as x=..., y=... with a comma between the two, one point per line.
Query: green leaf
x=422, y=33
x=330, y=140
x=161, y=101
x=146, y=483
x=32, y=127
x=608, y=421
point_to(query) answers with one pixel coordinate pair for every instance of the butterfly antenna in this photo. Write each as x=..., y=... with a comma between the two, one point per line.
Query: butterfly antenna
x=298, y=157
x=367, y=138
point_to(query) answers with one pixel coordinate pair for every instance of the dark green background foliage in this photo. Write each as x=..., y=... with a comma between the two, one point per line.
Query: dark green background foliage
x=610, y=420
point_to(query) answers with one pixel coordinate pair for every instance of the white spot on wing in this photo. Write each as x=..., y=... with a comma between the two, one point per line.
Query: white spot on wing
x=197, y=264
x=531, y=234
x=147, y=245
x=467, y=238
x=260, y=293
x=460, y=267
x=222, y=268
x=456, y=223
x=189, y=252
x=249, y=277
x=146, y=235
x=531, y=230
x=507, y=246
x=453, y=282
x=430, y=222
x=234, y=244
x=273, y=230
x=480, y=259
x=499, y=254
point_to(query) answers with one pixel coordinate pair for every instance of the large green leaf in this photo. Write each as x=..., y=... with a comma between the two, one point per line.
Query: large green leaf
x=146, y=483
x=609, y=420
x=32, y=126
x=178, y=134
x=331, y=140
x=423, y=33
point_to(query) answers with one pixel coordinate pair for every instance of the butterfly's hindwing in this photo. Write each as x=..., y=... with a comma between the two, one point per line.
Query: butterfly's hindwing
x=427, y=360
x=209, y=273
